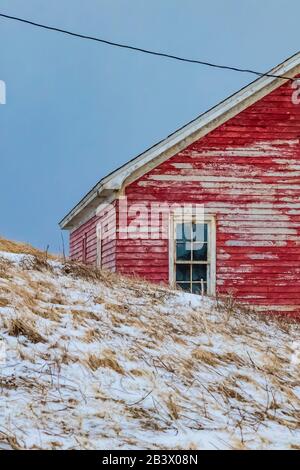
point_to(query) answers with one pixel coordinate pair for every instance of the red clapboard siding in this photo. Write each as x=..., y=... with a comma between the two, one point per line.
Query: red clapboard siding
x=247, y=173
x=88, y=229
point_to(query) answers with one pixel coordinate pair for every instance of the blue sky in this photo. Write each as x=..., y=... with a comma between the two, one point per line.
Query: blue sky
x=76, y=109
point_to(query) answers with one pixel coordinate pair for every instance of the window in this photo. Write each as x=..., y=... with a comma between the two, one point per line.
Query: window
x=194, y=256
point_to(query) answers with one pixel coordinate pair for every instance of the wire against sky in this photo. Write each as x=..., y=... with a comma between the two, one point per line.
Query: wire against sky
x=145, y=51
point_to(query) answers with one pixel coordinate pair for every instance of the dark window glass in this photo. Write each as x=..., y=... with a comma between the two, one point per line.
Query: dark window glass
x=199, y=272
x=199, y=251
x=184, y=251
x=183, y=272
x=199, y=232
x=183, y=232
x=186, y=286
x=197, y=289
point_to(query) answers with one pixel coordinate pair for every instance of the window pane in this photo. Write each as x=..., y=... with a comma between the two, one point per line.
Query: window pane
x=186, y=286
x=199, y=272
x=196, y=288
x=184, y=251
x=200, y=251
x=183, y=272
x=183, y=232
x=200, y=232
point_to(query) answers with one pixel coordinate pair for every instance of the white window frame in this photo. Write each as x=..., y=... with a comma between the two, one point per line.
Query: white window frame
x=210, y=220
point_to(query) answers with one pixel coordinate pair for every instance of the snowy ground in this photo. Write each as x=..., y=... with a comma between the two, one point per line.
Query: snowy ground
x=102, y=362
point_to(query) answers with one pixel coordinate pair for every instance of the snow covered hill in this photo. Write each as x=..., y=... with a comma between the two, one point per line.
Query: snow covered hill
x=92, y=360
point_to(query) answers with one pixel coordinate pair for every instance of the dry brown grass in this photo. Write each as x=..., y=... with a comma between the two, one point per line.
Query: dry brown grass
x=206, y=357
x=24, y=327
x=148, y=418
x=4, y=302
x=23, y=297
x=10, y=246
x=11, y=441
x=179, y=340
x=244, y=378
x=58, y=299
x=227, y=391
x=87, y=272
x=108, y=360
x=272, y=364
x=117, y=308
x=173, y=408
x=137, y=372
x=46, y=286
x=232, y=358
x=5, y=266
x=85, y=314
x=65, y=357
x=52, y=314
x=36, y=263
x=8, y=382
x=23, y=353
x=92, y=335
x=118, y=281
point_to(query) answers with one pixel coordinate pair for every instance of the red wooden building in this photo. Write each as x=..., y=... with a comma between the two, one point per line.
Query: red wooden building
x=240, y=161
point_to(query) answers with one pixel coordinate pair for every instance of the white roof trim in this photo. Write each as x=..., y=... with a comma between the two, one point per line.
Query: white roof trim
x=114, y=181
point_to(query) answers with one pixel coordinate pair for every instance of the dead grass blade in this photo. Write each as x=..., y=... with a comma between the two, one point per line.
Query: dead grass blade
x=24, y=327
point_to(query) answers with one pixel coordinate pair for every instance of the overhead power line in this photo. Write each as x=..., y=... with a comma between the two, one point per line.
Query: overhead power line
x=145, y=51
